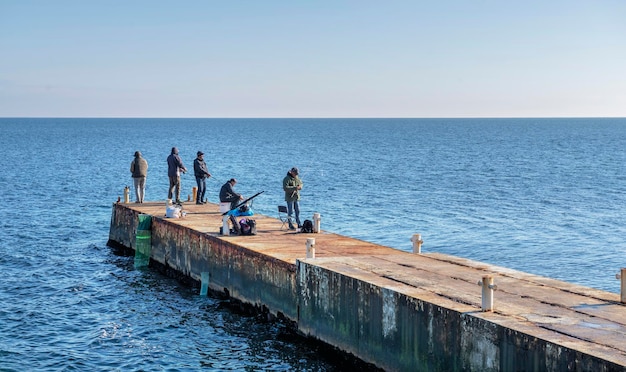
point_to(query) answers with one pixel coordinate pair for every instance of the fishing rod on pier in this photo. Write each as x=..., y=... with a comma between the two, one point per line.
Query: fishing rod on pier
x=243, y=202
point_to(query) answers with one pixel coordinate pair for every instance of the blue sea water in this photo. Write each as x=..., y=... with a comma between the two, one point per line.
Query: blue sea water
x=544, y=196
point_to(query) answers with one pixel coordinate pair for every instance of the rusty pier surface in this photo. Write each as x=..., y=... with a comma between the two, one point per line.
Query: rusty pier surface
x=394, y=309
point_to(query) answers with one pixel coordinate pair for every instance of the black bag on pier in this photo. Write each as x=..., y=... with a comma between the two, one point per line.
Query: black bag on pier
x=247, y=226
x=307, y=227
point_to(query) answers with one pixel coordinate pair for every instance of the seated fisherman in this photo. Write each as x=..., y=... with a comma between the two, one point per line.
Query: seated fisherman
x=227, y=194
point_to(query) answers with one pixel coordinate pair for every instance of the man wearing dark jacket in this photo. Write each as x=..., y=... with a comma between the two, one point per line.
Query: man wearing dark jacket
x=174, y=167
x=202, y=173
x=227, y=194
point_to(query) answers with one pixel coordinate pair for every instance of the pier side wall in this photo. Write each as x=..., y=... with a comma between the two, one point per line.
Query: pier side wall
x=245, y=275
x=398, y=332
x=378, y=324
x=123, y=226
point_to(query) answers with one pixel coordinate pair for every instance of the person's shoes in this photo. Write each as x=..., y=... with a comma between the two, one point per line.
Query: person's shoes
x=291, y=227
x=178, y=202
x=200, y=203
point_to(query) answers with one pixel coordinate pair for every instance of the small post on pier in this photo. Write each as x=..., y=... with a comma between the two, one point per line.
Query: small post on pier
x=622, y=276
x=126, y=195
x=310, y=248
x=417, y=243
x=225, y=228
x=225, y=207
x=317, y=218
x=487, y=292
x=194, y=192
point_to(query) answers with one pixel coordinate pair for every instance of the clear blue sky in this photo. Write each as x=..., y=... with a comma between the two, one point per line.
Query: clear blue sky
x=318, y=58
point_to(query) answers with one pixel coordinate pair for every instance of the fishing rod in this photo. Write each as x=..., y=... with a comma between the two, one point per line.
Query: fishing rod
x=243, y=202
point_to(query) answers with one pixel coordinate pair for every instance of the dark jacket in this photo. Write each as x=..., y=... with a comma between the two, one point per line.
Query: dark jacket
x=139, y=166
x=227, y=194
x=199, y=169
x=175, y=165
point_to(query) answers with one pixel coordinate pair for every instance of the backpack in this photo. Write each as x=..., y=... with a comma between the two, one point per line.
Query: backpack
x=247, y=226
x=307, y=227
x=252, y=224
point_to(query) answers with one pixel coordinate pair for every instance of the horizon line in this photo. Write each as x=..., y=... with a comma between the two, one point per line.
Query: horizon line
x=312, y=117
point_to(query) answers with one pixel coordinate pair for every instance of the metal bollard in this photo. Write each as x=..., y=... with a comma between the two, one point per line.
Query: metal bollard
x=194, y=193
x=317, y=218
x=487, y=292
x=310, y=248
x=225, y=228
x=126, y=195
x=417, y=243
x=622, y=276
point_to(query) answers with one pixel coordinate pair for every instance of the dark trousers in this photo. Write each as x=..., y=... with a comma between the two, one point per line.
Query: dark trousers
x=174, y=188
x=201, y=181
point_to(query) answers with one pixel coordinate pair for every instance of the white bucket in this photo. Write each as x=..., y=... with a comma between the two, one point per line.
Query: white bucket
x=224, y=207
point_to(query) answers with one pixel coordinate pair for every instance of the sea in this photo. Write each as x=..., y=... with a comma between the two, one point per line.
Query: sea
x=545, y=196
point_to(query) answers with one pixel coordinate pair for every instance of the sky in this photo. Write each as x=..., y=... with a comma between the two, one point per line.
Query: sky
x=317, y=58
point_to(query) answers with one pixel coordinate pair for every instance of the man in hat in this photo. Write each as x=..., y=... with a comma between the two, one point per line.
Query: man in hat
x=139, y=171
x=174, y=167
x=292, y=186
x=202, y=173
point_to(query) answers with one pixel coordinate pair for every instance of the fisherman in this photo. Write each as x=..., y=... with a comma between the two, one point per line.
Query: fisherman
x=174, y=167
x=202, y=173
x=292, y=186
x=227, y=194
x=139, y=171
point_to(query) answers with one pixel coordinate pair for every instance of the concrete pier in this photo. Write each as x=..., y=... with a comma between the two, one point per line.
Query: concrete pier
x=397, y=310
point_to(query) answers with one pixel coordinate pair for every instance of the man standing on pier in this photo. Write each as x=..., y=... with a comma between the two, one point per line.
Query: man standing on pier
x=174, y=167
x=139, y=171
x=202, y=173
x=292, y=186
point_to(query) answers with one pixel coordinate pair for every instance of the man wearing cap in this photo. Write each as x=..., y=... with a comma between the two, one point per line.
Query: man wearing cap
x=174, y=167
x=292, y=186
x=139, y=171
x=202, y=173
